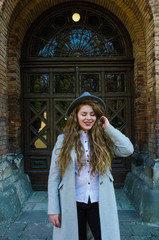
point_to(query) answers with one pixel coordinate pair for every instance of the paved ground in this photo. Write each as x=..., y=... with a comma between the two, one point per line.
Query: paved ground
x=33, y=223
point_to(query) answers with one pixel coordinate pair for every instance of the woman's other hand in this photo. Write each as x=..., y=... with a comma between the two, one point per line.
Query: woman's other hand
x=55, y=219
x=105, y=122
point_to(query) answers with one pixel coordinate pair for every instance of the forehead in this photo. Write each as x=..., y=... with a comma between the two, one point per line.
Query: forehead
x=86, y=108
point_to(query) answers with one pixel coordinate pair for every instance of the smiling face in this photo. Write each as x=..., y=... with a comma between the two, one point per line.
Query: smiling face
x=86, y=117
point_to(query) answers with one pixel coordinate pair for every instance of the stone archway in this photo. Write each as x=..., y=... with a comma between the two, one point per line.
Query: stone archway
x=97, y=52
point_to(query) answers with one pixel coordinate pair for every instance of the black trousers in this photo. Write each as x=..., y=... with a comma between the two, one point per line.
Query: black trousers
x=88, y=213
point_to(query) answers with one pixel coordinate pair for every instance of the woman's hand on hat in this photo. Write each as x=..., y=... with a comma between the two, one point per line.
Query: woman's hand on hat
x=105, y=122
x=55, y=219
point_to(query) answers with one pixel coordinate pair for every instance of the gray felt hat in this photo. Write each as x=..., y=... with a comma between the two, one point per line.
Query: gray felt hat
x=85, y=96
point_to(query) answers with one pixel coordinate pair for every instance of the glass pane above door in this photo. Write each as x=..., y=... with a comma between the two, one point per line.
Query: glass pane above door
x=90, y=82
x=115, y=82
x=93, y=35
x=64, y=83
x=39, y=83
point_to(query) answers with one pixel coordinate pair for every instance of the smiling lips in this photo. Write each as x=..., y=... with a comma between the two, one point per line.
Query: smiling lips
x=87, y=123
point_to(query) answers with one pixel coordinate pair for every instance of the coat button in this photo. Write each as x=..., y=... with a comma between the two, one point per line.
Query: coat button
x=101, y=183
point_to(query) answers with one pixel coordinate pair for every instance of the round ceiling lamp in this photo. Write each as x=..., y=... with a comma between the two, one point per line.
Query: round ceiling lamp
x=76, y=17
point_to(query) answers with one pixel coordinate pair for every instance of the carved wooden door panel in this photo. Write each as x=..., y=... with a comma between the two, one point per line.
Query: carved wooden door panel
x=47, y=94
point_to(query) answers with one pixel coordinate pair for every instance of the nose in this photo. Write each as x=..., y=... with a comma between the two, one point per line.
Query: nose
x=88, y=116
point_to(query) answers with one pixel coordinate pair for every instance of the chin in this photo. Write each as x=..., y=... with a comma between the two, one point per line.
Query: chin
x=87, y=129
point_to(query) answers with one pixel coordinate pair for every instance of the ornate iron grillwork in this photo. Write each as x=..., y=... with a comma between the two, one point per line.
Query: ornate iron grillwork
x=93, y=35
x=115, y=82
x=90, y=82
x=39, y=83
x=64, y=83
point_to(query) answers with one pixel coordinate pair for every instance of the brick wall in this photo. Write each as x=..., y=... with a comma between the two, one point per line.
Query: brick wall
x=137, y=18
x=3, y=86
x=14, y=94
x=153, y=88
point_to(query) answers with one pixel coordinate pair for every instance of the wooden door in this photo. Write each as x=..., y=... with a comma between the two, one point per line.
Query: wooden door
x=47, y=93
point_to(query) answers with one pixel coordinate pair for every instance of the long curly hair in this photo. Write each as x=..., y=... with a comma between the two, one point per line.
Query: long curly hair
x=101, y=151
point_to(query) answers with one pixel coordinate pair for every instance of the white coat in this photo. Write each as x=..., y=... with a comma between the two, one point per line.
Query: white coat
x=61, y=193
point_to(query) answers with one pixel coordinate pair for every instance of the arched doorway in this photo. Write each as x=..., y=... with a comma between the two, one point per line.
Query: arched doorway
x=61, y=59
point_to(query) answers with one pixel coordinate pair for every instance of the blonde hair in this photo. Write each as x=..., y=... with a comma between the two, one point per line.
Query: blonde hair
x=100, y=144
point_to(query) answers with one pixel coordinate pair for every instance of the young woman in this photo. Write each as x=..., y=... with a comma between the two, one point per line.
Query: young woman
x=80, y=186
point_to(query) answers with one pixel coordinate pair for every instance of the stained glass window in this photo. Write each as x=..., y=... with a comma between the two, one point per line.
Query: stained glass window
x=93, y=35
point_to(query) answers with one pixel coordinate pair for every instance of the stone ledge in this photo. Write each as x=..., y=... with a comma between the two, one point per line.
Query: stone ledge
x=11, y=199
x=15, y=187
x=9, y=205
x=144, y=199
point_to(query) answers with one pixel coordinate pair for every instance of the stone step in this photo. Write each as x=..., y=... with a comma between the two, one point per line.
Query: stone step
x=33, y=222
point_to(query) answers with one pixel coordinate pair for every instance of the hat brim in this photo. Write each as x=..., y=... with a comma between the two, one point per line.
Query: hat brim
x=79, y=100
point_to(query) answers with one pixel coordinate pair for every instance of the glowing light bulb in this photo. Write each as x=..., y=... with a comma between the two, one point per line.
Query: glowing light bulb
x=76, y=17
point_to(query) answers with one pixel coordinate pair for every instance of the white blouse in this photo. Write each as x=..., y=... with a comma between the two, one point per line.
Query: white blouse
x=87, y=185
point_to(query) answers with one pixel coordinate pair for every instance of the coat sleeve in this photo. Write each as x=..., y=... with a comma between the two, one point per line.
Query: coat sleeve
x=122, y=145
x=54, y=180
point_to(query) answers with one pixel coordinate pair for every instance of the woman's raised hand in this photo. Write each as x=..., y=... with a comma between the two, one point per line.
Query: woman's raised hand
x=105, y=122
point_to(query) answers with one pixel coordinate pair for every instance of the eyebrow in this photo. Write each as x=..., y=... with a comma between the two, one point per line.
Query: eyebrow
x=87, y=112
